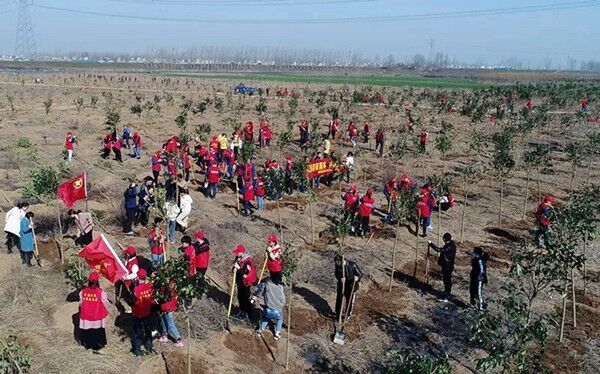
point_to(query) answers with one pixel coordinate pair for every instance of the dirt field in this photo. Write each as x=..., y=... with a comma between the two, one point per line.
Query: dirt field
x=34, y=301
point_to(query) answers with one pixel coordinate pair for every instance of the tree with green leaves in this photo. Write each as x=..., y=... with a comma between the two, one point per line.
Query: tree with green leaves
x=444, y=145
x=43, y=182
x=534, y=159
x=503, y=161
x=575, y=153
x=592, y=151
x=113, y=116
x=408, y=362
x=291, y=261
x=136, y=109
x=47, y=105
x=78, y=104
x=467, y=174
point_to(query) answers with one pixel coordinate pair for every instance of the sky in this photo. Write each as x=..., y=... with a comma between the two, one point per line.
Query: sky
x=488, y=39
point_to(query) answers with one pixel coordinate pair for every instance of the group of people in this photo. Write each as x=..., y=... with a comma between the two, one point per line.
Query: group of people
x=19, y=230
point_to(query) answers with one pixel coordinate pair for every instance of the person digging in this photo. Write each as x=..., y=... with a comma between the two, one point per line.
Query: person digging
x=272, y=295
x=446, y=261
x=348, y=276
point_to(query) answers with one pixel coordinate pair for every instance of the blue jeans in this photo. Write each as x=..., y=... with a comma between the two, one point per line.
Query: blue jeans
x=167, y=325
x=272, y=314
x=157, y=260
x=137, y=152
x=247, y=207
x=260, y=202
x=171, y=234
x=212, y=190
x=425, y=222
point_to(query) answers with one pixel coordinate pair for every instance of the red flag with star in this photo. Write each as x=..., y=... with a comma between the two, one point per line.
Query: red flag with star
x=73, y=190
x=101, y=257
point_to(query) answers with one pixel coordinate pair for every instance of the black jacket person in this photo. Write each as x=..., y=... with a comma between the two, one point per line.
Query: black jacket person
x=348, y=276
x=478, y=277
x=446, y=261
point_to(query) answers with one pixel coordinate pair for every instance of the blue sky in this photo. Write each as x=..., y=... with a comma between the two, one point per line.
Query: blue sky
x=528, y=36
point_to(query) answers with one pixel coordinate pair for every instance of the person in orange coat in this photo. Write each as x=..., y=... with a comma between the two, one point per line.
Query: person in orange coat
x=141, y=309
x=93, y=314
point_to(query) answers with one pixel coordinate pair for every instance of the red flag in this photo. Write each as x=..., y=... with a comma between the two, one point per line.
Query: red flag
x=101, y=257
x=73, y=190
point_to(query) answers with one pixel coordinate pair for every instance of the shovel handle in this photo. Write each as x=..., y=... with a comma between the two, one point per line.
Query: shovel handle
x=231, y=293
x=262, y=270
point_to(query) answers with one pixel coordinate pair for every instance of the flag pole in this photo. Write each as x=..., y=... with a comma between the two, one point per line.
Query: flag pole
x=86, y=190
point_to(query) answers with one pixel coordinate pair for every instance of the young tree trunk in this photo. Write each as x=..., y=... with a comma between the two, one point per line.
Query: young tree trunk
x=564, y=313
x=573, y=297
x=464, y=212
x=584, y=264
x=394, y=256
x=289, y=324
x=439, y=226
x=279, y=219
x=500, y=206
x=526, y=195
x=417, y=246
x=312, y=225
x=573, y=179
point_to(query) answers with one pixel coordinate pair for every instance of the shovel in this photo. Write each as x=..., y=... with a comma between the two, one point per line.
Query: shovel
x=262, y=269
x=340, y=336
x=230, y=301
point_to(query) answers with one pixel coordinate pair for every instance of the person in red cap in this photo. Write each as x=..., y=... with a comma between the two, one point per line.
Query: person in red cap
x=125, y=289
x=213, y=177
x=168, y=306
x=260, y=193
x=544, y=215
x=142, y=306
x=274, y=259
x=245, y=278
x=406, y=183
x=93, y=314
x=201, y=253
x=69, y=141
x=350, y=206
x=424, y=211
x=189, y=253
x=423, y=141
x=390, y=188
x=365, y=208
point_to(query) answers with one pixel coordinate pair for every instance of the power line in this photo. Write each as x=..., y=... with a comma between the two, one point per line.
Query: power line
x=410, y=17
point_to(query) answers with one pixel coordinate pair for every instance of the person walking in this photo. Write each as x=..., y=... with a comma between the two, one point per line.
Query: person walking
x=379, y=141
x=27, y=239
x=213, y=176
x=424, y=212
x=126, y=137
x=85, y=225
x=93, y=314
x=130, y=209
x=141, y=309
x=446, y=261
x=271, y=296
x=247, y=197
x=12, y=225
x=245, y=278
x=274, y=258
x=478, y=277
x=348, y=276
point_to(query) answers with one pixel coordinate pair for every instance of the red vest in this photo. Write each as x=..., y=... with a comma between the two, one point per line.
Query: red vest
x=366, y=206
x=171, y=305
x=251, y=277
x=159, y=242
x=260, y=188
x=423, y=209
x=249, y=192
x=143, y=300
x=213, y=174
x=190, y=254
x=277, y=264
x=92, y=308
x=202, y=260
x=351, y=199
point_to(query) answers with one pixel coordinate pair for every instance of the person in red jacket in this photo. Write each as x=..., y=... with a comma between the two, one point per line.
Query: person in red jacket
x=168, y=306
x=116, y=147
x=107, y=145
x=423, y=141
x=274, y=259
x=366, y=132
x=137, y=145
x=142, y=306
x=334, y=126
x=249, y=132
x=187, y=165
x=352, y=133
x=379, y=141
x=424, y=211
x=189, y=253
x=365, y=208
x=529, y=104
x=213, y=176
x=245, y=278
x=350, y=205
x=544, y=216
x=69, y=141
x=125, y=290
x=260, y=193
x=201, y=253
x=406, y=184
x=247, y=197
x=157, y=162
x=93, y=314
x=584, y=104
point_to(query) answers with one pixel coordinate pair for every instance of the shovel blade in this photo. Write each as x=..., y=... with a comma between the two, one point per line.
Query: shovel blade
x=339, y=337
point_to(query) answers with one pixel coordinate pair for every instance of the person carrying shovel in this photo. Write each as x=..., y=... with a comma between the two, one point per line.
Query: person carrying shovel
x=245, y=278
x=446, y=261
x=348, y=276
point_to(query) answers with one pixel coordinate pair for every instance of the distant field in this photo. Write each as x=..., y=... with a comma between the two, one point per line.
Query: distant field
x=390, y=81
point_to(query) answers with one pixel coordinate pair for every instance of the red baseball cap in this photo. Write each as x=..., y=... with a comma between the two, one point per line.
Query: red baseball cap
x=239, y=249
x=129, y=250
x=272, y=238
x=142, y=274
x=94, y=277
x=200, y=235
x=370, y=191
